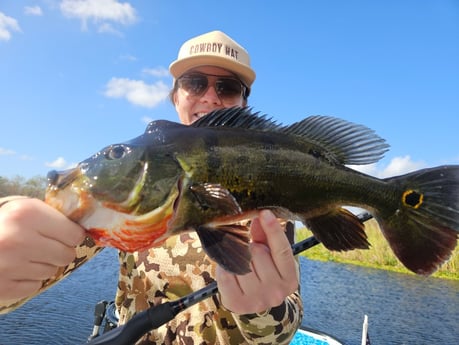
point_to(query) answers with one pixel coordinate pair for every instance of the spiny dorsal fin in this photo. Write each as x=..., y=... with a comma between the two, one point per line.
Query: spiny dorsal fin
x=339, y=141
x=237, y=118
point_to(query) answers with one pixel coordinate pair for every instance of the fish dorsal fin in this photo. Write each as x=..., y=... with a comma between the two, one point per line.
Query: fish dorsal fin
x=339, y=141
x=343, y=142
x=237, y=117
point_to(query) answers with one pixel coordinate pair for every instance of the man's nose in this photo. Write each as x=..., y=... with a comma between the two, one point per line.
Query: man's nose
x=211, y=96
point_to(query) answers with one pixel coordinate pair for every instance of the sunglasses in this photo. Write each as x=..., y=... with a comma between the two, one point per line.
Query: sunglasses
x=228, y=89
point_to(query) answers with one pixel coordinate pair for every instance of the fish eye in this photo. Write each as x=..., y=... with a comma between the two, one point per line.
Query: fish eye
x=117, y=152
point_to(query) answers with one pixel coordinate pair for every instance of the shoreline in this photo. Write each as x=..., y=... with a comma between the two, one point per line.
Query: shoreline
x=379, y=256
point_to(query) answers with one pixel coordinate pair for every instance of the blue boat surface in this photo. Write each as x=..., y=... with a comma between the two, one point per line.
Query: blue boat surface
x=309, y=336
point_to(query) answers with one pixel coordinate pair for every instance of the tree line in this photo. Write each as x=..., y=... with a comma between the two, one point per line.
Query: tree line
x=34, y=187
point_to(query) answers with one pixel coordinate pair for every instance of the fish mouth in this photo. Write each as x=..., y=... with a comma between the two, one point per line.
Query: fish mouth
x=109, y=223
x=61, y=179
x=69, y=191
x=65, y=193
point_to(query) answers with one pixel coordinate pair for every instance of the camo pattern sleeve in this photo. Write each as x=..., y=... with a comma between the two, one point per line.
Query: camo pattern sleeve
x=178, y=268
x=276, y=326
x=84, y=252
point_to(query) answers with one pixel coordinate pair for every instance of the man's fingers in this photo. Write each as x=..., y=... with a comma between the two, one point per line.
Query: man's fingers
x=13, y=290
x=278, y=244
x=55, y=253
x=69, y=234
x=37, y=216
x=35, y=271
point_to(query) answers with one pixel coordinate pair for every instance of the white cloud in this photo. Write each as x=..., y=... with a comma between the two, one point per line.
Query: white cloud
x=397, y=166
x=58, y=163
x=369, y=169
x=99, y=11
x=159, y=72
x=401, y=165
x=33, y=11
x=7, y=24
x=6, y=152
x=137, y=91
x=107, y=28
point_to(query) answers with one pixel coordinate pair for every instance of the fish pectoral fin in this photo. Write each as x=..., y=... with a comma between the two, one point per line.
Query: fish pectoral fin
x=214, y=196
x=227, y=245
x=339, y=230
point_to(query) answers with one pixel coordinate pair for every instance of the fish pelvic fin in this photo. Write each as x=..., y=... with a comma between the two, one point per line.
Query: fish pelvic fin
x=423, y=230
x=339, y=230
x=228, y=246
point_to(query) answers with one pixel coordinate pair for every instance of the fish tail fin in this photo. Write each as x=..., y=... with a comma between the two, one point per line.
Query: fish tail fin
x=423, y=230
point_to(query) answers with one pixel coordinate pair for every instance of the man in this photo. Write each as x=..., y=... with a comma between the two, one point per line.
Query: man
x=212, y=72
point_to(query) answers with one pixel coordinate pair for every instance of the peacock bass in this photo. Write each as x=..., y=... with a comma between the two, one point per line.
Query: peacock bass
x=212, y=175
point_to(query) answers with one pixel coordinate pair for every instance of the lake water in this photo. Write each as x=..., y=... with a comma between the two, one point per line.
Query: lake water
x=402, y=309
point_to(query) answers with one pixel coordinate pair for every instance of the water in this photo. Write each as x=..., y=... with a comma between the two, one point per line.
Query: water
x=65, y=313
x=402, y=309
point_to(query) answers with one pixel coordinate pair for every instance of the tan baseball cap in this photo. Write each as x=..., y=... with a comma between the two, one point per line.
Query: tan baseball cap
x=214, y=49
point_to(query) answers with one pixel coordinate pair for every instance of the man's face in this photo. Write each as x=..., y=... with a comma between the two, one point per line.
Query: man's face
x=191, y=107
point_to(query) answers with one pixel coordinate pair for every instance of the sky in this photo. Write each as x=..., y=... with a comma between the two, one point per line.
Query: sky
x=77, y=75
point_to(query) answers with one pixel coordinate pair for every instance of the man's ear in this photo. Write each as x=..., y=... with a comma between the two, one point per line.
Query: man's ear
x=174, y=98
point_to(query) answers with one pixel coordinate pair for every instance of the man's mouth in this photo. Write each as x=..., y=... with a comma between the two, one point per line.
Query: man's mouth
x=199, y=115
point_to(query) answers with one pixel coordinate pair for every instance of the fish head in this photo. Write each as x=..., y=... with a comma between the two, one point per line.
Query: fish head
x=123, y=195
x=112, y=176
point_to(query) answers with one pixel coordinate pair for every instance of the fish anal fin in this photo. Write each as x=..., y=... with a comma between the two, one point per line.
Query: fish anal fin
x=339, y=230
x=228, y=246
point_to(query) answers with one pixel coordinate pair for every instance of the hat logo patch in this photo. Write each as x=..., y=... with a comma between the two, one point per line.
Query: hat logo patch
x=214, y=47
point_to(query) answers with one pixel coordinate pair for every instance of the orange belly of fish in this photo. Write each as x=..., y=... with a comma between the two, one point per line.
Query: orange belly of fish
x=135, y=236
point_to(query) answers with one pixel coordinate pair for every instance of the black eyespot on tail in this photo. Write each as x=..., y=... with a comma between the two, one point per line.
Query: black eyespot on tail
x=412, y=198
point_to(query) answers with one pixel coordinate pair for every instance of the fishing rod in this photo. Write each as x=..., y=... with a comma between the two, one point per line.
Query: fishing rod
x=158, y=315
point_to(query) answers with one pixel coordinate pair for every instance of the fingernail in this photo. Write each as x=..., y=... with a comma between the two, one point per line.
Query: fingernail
x=267, y=216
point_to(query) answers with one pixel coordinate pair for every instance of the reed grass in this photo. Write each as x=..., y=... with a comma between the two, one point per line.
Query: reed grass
x=378, y=256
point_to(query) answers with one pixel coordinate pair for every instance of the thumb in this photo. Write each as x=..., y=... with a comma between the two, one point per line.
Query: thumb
x=257, y=230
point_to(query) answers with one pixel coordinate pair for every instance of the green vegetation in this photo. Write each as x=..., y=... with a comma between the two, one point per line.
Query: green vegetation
x=34, y=187
x=378, y=256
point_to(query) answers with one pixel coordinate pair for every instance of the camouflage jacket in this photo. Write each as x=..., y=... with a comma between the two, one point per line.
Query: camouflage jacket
x=174, y=270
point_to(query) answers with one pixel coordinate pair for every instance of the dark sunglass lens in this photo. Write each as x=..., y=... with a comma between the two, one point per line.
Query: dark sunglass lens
x=229, y=88
x=193, y=84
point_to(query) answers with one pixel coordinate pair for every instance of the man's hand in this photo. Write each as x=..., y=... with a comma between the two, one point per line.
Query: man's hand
x=35, y=240
x=274, y=273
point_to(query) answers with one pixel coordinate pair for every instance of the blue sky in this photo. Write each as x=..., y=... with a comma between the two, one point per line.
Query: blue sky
x=78, y=75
